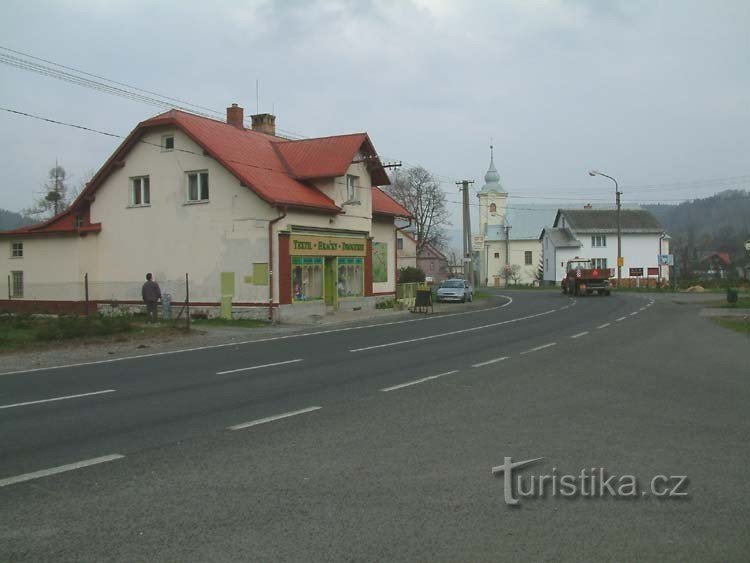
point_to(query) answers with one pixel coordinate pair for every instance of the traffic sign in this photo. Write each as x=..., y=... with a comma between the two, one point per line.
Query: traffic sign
x=620, y=261
x=666, y=259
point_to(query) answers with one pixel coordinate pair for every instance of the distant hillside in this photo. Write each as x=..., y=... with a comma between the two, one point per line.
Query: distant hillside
x=12, y=220
x=717, y=223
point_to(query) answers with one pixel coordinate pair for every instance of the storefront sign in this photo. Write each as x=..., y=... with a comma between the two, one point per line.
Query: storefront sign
x=313, y=245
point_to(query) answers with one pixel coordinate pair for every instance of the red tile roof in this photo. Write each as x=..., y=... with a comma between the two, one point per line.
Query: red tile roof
x=277, y=170
x=383, y=204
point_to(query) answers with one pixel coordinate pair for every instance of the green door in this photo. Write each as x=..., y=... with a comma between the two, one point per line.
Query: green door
x=330, y=282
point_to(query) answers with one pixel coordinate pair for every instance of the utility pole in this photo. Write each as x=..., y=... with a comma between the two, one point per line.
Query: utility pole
x=507, y=229
x=468, y=263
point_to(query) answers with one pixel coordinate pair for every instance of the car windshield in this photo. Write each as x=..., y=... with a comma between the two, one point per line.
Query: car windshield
x=581, y=265
x=453, y=283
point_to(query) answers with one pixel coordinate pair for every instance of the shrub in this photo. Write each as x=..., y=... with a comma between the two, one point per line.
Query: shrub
x=410, y=275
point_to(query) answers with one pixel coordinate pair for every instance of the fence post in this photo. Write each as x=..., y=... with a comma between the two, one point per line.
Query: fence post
x=86, y=291
x=187, y=302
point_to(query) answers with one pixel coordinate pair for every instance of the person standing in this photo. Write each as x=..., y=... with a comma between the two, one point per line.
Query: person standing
x=151, y=293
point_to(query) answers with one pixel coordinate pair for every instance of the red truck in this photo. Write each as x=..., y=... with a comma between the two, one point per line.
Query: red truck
x=582, y=278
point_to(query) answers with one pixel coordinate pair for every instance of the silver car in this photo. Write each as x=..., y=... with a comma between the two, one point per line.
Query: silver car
x=455, y=290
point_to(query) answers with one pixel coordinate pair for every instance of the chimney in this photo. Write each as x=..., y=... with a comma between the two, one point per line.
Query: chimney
x=236, y=116
x=264, y=123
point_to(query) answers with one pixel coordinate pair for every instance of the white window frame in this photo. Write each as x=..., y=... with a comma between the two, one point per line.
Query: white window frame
x=352, y=190
x=137, y=185
x=164, y=147
x=16, y=249
x=599, y=263
x=598, y=241
x=16, y=288
x=200, y=175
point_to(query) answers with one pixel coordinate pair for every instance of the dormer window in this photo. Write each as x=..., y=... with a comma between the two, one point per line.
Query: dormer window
x=167, y=143
x=351, y=188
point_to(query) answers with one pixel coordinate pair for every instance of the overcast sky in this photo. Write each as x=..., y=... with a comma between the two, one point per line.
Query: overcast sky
x=653, y=93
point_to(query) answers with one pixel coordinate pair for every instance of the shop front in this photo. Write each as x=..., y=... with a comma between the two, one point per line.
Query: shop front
x=329, y=269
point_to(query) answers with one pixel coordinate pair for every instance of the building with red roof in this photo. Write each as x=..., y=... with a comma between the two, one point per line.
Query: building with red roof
x=260, y=223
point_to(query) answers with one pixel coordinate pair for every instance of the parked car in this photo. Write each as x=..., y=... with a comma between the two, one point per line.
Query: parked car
x=455, y=290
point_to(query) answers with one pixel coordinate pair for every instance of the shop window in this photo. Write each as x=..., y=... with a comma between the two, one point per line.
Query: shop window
x=351, y=274
x=527, y=257
x=307, y=278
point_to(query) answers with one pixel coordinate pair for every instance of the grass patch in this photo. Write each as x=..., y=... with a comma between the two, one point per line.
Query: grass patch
x=737, y=324
x=742, y=303
x=386, y=304
x=239, y=323
x=20, y=331
x=481, y=295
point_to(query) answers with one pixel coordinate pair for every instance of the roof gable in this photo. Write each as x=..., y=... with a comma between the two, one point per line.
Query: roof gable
x=605, y=220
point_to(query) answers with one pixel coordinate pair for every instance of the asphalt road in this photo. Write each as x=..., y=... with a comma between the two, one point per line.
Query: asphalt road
x=377, y=442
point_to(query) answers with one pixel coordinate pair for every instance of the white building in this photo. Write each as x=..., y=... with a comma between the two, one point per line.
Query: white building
x=260, y=223
x=592, y=234
x=508, y=250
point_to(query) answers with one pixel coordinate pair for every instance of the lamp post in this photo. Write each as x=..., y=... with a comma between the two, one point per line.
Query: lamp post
x=619, y=236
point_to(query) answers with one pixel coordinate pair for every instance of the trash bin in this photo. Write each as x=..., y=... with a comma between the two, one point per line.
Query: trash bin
x=732, y=295
x=166, y=306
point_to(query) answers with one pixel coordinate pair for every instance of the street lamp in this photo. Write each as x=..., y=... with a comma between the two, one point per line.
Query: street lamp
x=619, y=236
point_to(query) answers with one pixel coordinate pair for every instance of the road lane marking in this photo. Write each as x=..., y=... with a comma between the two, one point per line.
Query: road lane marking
x=259, y=367
x=620, y=319
x=56, y=399
x=642, y=309
x=542, y=347
x=488, y=362
x=410, y=383
x=451, y=333
x=634, y=313
x=272, y=418
x=60, y=469
x=584, y=333
x=605, y=325
x=260, y=340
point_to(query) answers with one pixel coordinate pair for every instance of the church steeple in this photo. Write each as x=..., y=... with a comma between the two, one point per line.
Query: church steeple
x=492, y=177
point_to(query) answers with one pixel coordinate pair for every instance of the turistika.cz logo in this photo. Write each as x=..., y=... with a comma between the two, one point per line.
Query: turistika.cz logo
x=590, y=482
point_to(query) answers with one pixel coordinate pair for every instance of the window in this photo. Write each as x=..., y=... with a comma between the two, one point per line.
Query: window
x=598, y=241
x=351, y=277
x=167, y=143
x=140, y=191
x=197, y=186
x=600, y=263
x=493, y=208
x=16, y=280
x=351, y=188
x=527, y=257
x=307, y=278
x=400, y=243
x=497, y=255
x=16, y=250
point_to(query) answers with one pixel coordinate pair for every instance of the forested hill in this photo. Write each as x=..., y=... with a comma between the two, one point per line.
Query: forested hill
x=717, y=223
x=12, y=220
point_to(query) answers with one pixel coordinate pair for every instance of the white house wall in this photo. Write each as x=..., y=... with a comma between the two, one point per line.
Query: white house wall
x=172, y=237
x=518, y=248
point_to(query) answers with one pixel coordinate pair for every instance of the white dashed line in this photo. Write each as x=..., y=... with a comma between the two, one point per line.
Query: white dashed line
x=410, y=383
x=642, y=309
x=542, y=347
x=451, y=333
x=620, y=319
x=57, y=399
x=258, y=367
x=584, y=333
x=605, y=325
x=60, y=469
x=488, y=362
x=272, y=418
x=634, y=313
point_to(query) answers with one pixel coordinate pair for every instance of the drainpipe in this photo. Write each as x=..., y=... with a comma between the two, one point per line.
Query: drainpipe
x=270, y=261
x=397, y=230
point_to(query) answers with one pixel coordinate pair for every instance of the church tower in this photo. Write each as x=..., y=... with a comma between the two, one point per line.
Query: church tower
x=492, y=198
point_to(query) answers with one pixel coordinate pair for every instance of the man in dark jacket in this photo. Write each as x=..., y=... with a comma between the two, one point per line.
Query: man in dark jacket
x=151, y=294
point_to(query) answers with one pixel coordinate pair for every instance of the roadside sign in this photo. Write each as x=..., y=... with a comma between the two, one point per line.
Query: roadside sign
x=666, y=259
x=636, y=272
x=653, y=271
x=620, y=261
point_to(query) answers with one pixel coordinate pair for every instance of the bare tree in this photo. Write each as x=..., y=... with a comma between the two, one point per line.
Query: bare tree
x=419, y=192
x=55, y=197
